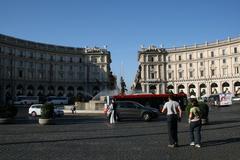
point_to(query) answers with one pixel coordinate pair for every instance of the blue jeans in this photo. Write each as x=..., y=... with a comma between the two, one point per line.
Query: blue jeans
x=195, y=131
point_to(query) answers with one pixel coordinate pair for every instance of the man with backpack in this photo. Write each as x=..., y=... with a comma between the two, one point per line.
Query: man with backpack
x=195, y=124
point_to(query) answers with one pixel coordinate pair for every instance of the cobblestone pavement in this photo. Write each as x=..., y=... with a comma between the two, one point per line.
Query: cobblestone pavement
x=85, y=137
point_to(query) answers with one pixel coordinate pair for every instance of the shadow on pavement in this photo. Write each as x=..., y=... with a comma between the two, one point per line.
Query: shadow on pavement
x=220, y=142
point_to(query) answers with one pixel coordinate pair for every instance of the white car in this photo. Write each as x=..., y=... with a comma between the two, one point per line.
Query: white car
x=236, y=99
x=35, y=110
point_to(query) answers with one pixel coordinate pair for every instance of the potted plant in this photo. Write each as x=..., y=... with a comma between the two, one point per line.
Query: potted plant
x=7, y=114
x=47, y=114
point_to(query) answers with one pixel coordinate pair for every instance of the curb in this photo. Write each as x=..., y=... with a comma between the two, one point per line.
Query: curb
x=83, y=111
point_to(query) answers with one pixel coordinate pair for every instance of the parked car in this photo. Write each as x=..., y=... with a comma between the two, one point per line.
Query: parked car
x=131, y=109
x=35, y=110
x=236, y=99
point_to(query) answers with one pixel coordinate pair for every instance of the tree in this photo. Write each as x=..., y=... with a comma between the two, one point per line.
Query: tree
x=123, y=86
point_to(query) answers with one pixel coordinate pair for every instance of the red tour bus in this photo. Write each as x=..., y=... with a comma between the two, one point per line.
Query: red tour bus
x=154, y=100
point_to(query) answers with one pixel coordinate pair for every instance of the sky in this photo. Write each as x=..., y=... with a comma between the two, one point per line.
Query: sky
x=122, y=25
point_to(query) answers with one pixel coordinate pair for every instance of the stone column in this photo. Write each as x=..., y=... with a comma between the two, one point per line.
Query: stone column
x=147, y=88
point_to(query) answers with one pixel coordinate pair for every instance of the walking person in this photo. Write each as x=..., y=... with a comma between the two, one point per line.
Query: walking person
x=73, y=108
x=195, y=124
x=174, y=113
x=112, y=108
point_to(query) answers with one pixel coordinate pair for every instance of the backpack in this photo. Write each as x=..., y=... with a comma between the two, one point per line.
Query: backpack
x=197, y=112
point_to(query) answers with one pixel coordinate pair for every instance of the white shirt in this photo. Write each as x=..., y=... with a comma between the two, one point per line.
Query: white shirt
x=171, y=107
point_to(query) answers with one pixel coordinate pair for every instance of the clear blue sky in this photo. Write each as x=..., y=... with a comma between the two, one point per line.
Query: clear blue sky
x=122, y=25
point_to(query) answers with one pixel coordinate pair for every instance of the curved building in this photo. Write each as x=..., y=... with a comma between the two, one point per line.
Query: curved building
x=200, y=69
x=37, y=69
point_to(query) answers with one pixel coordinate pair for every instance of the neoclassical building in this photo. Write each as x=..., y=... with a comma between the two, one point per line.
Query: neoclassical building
x=200, y=69
x=37, y=69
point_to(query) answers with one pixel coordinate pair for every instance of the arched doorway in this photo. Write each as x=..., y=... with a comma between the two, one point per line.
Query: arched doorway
x=60, y=91
x=51, y=91
x=203, y=88
x=181, y=89
x=225, y=87
x=30, y=90
x=20, y=90
x=214, y=88
x=70, y=91
x=192, y=90
x=237, y=88
x=170, y=89
x=152, y=89
x=40, y=90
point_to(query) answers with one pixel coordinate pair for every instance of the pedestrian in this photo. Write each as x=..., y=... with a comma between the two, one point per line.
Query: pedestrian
x=174, y=113
x=112, y=108
x=73, y=109
x=195, y=124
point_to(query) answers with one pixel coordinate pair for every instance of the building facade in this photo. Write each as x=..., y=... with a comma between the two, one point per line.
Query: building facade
x=37, y=69
x=199, y=70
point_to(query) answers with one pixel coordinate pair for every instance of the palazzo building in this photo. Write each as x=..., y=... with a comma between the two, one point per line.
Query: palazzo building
x=199, y=70
x=37, y=69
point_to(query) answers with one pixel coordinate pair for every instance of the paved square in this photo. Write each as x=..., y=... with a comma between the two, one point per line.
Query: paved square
x=85, y=137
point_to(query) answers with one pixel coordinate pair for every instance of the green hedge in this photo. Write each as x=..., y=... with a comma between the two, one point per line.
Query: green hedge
x=47, y=111
x=8, y=111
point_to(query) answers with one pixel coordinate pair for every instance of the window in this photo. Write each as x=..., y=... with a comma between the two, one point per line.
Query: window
x=190, y=74
x=31, y=55
x=41, y=56
x=70, y=67
x=236, y=59
x=235, y=49
x=190, y=64
x=30, y=64
x=20, y=63
x=51, y=58
x=169, y=58
x=71, y=60
x=212, y=62
x=94, y=59
x=224, y=71
x=201, y=73
x=179, y=58
x=212, y=72
x=21, y=54
x=180, y=75
x=170, y=75
x=201, y=55
x=190, y=56
x=152, y=75
x=169, y=66
x=61, y=67
x=201, y=63
x=0, y=49
x=152, y=66
x=236, y=69
x=61, y=75
x=180, y=65
x=223, y=52
x=151, y=59
x=30, y=74
x=20, y=73
x=80, y=60
x=224, y=60
x=61, y=59
x=212, y=54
